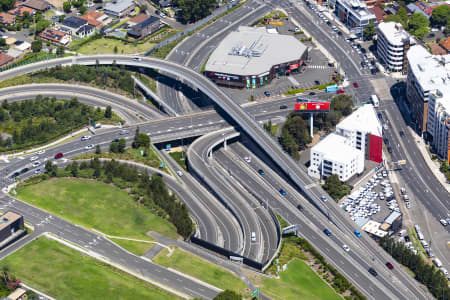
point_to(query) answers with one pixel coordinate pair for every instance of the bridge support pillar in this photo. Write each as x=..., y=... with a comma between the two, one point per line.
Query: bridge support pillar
x=311, y=122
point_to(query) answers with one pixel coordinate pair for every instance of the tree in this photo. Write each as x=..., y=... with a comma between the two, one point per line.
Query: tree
x=61, y=18
x=82, y=9
x=36, y=45
x=67, y=6
x=6, y=5
x=228, y=295
x=114, y=147
x=50, y=168
x=421, y=32
x=121, y=145
x=335, y=187
x=97, y=173
x=108, y=112
x=74, y=169
x=403, y=14
x=416, y=21
x=441, y=15
x=115, y=49
x=194, y=10
x=369, y=31
x=98, y=150
x=396, y=19
x=60, y=51
x=2, y=42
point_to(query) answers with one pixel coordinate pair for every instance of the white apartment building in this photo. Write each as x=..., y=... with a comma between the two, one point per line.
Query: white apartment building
x=359, y=126
x=441, y=128
x=426, y=73
x=334, y=155
x=354, y=14
x=392, y=44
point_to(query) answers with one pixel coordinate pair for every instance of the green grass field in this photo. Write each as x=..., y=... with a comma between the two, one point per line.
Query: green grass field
x=96, y=205
x=138, y=248
x=299, y=281
x=193, y=265
x=65, y=273
x=104, y=45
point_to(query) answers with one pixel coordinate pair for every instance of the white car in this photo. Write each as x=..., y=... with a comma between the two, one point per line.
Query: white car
x=124, y=131
x=444, y=271
x=179, y=173
x=443, y=222
x=248, y=159
x=33, y=158
x=40, y=152
x=89, y=147
x=36, y=164
x=37, y=171
x=86, y=137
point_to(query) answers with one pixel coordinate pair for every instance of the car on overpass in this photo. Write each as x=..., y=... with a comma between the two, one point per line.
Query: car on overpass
x=357, y=233
x=327, y=232
x=389, y=265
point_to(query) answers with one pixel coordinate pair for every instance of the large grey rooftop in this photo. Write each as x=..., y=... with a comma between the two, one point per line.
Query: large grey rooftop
x=263, y=50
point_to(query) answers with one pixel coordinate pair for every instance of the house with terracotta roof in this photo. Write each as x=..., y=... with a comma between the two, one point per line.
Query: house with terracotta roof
x=136, y=20
x=436, y=49
x=56, y=36
x=96, y=19
x=7, y=19
x=18, y=11
x=445, y=44
x=379, y=13
x=5, y=59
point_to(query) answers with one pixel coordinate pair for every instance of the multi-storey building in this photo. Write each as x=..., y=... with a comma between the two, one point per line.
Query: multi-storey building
x=426, y=73
x=354, y=14
x=393, y=42
x=441, y=109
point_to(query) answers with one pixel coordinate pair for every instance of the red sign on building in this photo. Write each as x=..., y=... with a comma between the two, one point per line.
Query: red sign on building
x=293, y=66
x=312, y=106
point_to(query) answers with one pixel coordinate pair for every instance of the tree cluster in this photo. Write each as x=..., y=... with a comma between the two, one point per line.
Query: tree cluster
x=416, y=24
x=109, y=76
x=40, y=120
x=8, y=282
x=149, y=191
x=335, y=188
x=427, y=274
x=445, y=168
x=118, y=146
x=295, y=133
x=228, y=295
x=194, y=10
x=140, y=140
x=6, y=5
x=441, y=17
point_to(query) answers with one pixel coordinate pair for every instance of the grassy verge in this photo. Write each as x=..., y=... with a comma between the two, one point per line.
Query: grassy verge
x=138, y=248
x=299, y=281
x=416, y=242
x=272, y=16
x=96, y=205
x=302, y=90
x=130, y=154
x=180, y=158
x=65, y=273
x=201, y=269
x=107, y=45
x=148, y=81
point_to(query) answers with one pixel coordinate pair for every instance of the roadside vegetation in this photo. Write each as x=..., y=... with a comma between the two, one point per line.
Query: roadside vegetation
x=195, y=266
x=35, y=122
x=8, y=282
x=273, y=16
x=180, y=158
x=64, y=273
x=291, y=92
x=425, y=273
x=445, y=169
x=307, y=275
x=295, y=134
x=141, y=151
x=109, y=45
x=336, y=188
x=150, y=193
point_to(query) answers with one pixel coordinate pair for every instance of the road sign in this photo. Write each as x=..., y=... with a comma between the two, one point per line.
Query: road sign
x=255, y=293
x=331, y=88
x=168, y=147
x=401, y=162
x=289, y=229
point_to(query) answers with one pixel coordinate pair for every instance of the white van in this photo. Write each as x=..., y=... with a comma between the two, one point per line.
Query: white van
x=375, y=100
x=424, y=244
x=253, y=236
x=420, y=235
x=437, y=262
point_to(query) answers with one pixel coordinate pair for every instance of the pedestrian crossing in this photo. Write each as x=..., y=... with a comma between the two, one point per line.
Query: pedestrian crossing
x=318, y=67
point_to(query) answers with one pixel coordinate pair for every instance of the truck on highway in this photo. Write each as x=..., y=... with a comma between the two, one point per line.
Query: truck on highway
x=375, y=100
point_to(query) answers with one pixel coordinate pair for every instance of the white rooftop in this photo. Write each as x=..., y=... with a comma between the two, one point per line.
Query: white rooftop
x=373, y=227
x=118, y=6
x=336, y=148
x=363, y=119
x=394, y=32
x=253, y=51
x=431, y=71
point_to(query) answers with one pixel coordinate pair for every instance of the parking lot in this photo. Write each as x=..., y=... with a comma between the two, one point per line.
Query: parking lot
x=374, y=199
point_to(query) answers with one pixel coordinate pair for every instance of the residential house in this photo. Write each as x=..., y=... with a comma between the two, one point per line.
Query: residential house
x=120, y=8
x=379, y=13
x=420, y=7
x=7, y=19
x=16, y=54
x=436, y=49
x=144, y=28
x=56, y=36
x=77, y=26
x=23, y=46
x=96, y=19
x=446, y=44
x=39, y=5
x=18, y=11
x=165, y=3
x=136, y=20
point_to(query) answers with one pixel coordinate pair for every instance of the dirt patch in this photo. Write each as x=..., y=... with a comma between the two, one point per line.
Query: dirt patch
x=56, y=3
